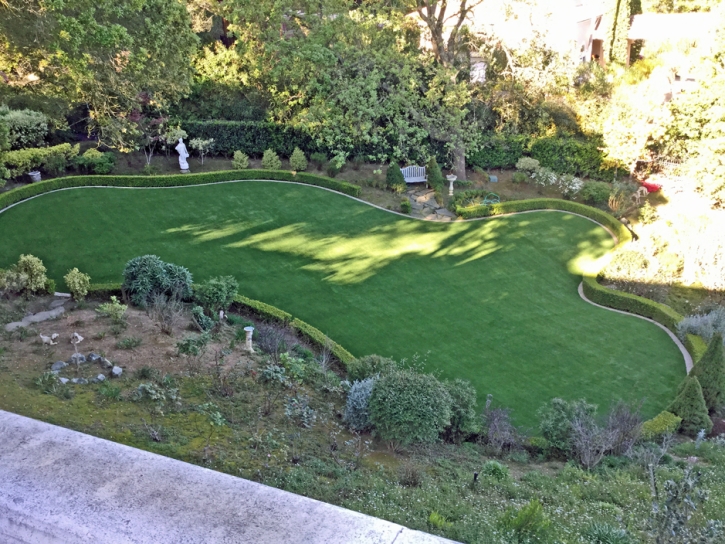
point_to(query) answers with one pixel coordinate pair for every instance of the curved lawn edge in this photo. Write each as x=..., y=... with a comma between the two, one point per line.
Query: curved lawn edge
x=685, y=353
x=603, y=296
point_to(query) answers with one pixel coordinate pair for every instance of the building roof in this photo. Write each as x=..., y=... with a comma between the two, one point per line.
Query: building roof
x=670, y=26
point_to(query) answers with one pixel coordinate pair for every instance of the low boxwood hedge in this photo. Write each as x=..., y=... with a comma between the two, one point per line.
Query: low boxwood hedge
x=173, y=180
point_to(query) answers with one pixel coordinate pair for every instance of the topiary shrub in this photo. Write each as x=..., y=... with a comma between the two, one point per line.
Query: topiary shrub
x=78, y=283
x=240, y=161
x=25, y=276
x=368, y=366
x=519, y=177
x=690, y=406
x=464, y=420
x=407, y=407
x=710, y=372
x=271, y=161
x=394, y=178
x=216, y=294
x=660, y=425
x=357, y=413
x=555, y=421
x=595, y=192
x=435, y=176
x=147, y=276
x=298, y=161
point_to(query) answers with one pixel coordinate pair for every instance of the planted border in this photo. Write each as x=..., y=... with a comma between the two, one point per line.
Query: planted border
x=173, y=180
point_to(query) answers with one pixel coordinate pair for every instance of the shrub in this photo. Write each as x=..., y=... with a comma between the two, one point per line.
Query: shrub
x=407, y=407
x=203, y=322
x=332, y=168
x=203, y=146
x=298, y=410
x=495, y=469
x=648, y=213
x=555, y=421
x=394, y=178
x=357, y=413
x=78, y=283
x=690, y=406
x=497, y=430
x=544, y=177
x=193, y=345
x=604, y=533
x=55, y=165
x=495, y=151
x=216, y=294
x=527, y=524
x=704, y=325
x=49, y=286
x=662, y=424
x=318, y=159
x=271, y=161
x=369, y=366
x=358, y=161
x=146, y=276
x=572, y=156
x=95, y=162
x=130, y=342
x=405, y=205
x=464, y=420
x=22, y=161
x=26, y=128
x=527, y=164
x=435, y=176
x=298, y=161
x=25, y=276
x=166, y=311
x=710, y=372
x=595, y=192
x=240, y=161
x=626, y=265
x=519, y=177
x=114, y=309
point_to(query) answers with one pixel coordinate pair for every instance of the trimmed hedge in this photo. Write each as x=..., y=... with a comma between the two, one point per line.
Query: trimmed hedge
x=498, y=151
x=104, y=291
x=696, y=345
x=262, y=310
x=173, y=180
x=574, y=156
x=22, y=161
x=513, y=206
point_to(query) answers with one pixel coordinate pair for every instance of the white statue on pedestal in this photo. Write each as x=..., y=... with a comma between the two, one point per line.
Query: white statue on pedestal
x=183, y=155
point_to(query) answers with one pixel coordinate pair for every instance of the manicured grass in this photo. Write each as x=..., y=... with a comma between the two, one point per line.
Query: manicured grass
x=493, y=301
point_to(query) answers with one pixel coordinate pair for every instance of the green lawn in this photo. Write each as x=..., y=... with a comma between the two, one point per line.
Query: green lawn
x=494, y=302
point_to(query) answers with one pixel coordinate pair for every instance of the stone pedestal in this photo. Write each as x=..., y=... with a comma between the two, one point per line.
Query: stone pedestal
x=249, y=331
x=451, y=178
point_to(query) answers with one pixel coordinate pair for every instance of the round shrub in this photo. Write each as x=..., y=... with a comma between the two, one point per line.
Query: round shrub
x=298, y=161
x=520, y=177
x=495, y=470
x=660, y=425
x=595, y=192
x=357, y=414
x=78, y=283
x=527, y=164
x=240, y=161
x=407, y=407
x=318, y=159
x=25, y=276
x=95, y=162
x=216, y=293
x=368, y=366
x=270, y=160
x=147, y=276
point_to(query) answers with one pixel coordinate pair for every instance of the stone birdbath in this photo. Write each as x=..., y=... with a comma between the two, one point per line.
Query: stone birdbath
x=249, y=331
x=451, y=178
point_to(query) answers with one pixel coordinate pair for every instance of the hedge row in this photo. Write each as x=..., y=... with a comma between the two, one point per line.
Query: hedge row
x=609, y=221
x=317, y=337
x=22, y=161
x=173, y=180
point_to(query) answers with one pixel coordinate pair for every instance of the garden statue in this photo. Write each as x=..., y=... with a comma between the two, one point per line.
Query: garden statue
x=183, y=155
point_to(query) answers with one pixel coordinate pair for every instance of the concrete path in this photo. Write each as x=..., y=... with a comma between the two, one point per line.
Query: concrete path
x=36, y=318
x=61, y=486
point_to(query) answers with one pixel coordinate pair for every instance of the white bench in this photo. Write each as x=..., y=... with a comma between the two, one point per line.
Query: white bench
x=414, y=174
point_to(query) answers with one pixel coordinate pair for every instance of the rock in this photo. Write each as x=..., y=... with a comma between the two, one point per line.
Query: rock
x=63, y=380
x=79, y=381
x=100, y=378
x=76, y=359
x=57, y=303
x=59, y=365
x=35, y=318
x=446, y=213
x=116, y=372
x=105, y=363
x=93, y=357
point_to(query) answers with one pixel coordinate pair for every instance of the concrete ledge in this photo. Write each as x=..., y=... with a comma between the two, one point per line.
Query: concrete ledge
x=61, y=486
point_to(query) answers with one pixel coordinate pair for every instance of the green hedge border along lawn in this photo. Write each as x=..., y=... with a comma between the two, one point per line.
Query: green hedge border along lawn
x=494, y=302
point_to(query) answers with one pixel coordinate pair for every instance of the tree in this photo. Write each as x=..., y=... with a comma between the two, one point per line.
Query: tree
x=690, y=406
x=108, y=55
x=710, y=372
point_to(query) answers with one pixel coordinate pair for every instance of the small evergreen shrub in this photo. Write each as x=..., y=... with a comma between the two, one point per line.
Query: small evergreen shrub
x=240, y=161
x=495, y=470
x=357, y=413
x=147, y=276
x=130, y=342
x=318, y=159
x=394, y=178
x=464, y=420
x=25, y=276
x=690, y=406
x=527, y=164
x=555, y=421
x=298, y=161
x=20, y=162
x=407, y=407
x=435, y=176
x=626, y=265
x=660, y=425
x=94, y=161
x=368, y=366
x=216, y=293
x=595, y=192
x=405, y=205
x=78, y=283
x=519, y=177
x=710, y=372
x=55, y=165
x=271, y=161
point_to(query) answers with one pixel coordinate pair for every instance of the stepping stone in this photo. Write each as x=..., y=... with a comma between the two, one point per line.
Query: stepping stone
x=35, y=318
x=58, y=303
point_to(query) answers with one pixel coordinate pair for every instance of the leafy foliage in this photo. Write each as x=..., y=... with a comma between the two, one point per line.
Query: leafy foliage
x=94, y=161
x=662, y=424
x=216, y=293
x=595, y=192
x=22, y=161
x=26, y=276
x=435, y=176
x=357, y=414
x=78, y=283
x=26, y=128
x=464, y=420
x=148, y=275
x=113, y=309
x=527, y=524
x=555, y=421
x=369, y=366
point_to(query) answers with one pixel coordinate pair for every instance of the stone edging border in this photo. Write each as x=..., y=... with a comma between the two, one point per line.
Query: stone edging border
x=686, y=354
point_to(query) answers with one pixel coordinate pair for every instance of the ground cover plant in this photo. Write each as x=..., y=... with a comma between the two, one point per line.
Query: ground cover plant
x=493, y=302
